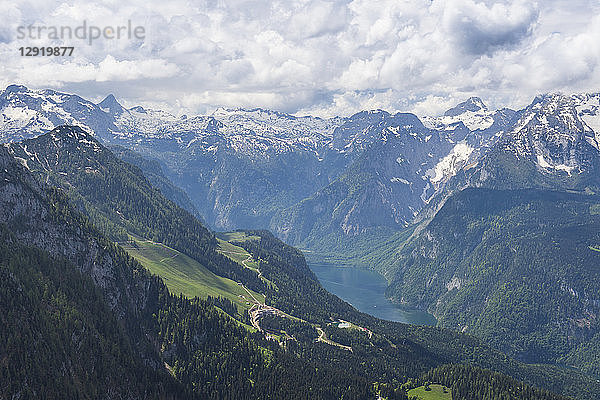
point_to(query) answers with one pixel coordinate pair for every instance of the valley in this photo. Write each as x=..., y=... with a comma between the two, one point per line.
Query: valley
x=441, y=209
x=183, y=275
x=300, y=200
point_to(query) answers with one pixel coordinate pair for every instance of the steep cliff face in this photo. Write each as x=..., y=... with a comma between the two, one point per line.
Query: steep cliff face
x=552, y=144
x=41, y=217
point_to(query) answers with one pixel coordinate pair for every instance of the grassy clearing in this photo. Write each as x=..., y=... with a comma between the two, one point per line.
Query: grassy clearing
x=236, y=236
x=237, y=254
x=436, y=393
x=185, y=275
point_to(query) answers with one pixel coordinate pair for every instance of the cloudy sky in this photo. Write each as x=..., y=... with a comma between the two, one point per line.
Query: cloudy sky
x=311, y=56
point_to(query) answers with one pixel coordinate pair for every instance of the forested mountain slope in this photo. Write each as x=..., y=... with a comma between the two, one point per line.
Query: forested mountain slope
x=517, y=268
x=207, y=351
x=89, y=285
x=118, y=198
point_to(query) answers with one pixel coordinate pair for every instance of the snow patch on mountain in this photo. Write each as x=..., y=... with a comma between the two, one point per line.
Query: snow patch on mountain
x=592, y=121
x=449, y=165
x=472, y=120
x=275, y=124
x=21, y=114
x=149, y=123
x=589, y=112
x=541, y=161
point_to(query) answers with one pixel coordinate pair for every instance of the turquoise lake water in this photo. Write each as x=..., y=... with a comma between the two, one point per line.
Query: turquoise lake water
x=365, y=290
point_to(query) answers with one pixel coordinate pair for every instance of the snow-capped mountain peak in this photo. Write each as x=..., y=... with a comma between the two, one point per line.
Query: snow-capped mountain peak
x=472, y=113
x=555, y=132
x=472, y=104
x=26, y=113
x=111, y=105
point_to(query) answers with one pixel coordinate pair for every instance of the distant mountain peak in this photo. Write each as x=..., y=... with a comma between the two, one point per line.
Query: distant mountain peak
x=223, y=112
x=370, y=113
x=471, y=113
x=473, y=104
x=138, y=109
x=110, y=99
x=111, y=104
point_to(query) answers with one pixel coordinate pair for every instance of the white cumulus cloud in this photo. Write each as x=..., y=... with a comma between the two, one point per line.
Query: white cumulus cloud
x=312, y=56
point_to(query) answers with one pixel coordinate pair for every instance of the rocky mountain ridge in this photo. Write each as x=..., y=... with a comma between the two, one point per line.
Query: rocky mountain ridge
x=257, y=168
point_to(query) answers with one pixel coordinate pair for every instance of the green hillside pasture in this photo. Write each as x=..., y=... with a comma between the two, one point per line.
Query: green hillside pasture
x=237, y=254
x=237, y=236
x=185, y=275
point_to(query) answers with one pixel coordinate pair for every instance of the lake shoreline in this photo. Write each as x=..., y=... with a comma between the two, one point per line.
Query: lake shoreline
x=364, y=289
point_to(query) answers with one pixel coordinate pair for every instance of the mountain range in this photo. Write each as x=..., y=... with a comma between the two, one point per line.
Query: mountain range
x=264, y=169
x=255, y=167
x=82, y=317
x=487, y=219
